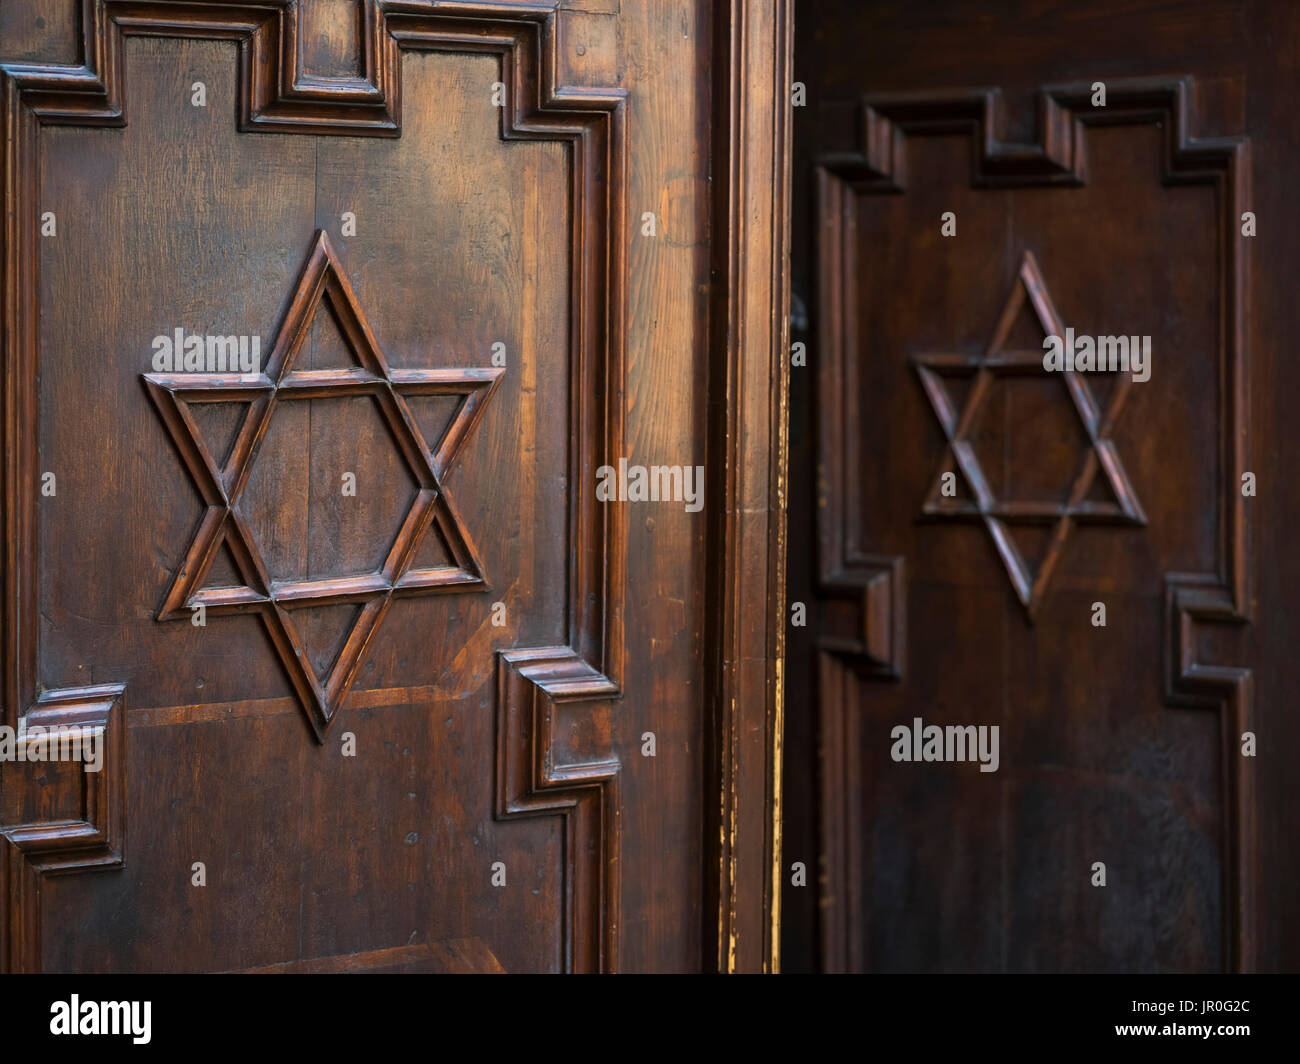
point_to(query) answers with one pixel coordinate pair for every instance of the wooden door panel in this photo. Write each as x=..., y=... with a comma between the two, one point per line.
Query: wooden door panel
x=407, y=733
x=318, y=577
x=1039, y=514
x=1119, y=744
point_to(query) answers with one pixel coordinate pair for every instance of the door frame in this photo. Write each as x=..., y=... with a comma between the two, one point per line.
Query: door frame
x=749, y=388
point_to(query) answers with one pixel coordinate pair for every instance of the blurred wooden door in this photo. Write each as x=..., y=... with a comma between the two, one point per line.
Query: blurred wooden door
x=321, y=322
x=1091, y=563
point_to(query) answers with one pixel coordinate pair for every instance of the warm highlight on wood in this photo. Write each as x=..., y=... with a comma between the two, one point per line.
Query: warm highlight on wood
x=429, y=216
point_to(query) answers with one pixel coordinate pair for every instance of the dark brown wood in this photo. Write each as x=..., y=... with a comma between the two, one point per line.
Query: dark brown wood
x=88, y=837
x=926, y=358
x=749, y=392
x=497, y=179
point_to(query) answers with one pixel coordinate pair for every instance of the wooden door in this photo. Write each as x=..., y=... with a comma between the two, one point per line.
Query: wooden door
x=326, y=328
x=1093, y=563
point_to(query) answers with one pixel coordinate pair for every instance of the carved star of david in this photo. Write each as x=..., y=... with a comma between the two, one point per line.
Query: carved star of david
x=1100, y=456
x=222, y=486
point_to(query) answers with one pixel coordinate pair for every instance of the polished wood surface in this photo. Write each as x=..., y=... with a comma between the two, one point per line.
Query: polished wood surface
x=411, y=733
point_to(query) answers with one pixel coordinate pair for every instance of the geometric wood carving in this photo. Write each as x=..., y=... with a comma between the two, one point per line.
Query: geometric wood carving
x=274, y=94
x=877, y=164
x=1193, y=600
x=862, y=615
x=1101, y=456
x=863, y=594
x=222, y=488
x=554, y=713
x=89, y=837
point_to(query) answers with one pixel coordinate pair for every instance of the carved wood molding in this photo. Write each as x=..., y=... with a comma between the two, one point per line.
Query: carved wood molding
x=90, y=839
x=863, y=616
x=877, y=163
x=873, y=641
x=1101, y=459
x=276, y=95
x=555, y=756
x=862, y=596
x=1191, y=601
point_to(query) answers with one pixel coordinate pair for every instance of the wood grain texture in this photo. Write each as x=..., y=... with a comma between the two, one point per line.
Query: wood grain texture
x=477, y=225
x=1062, y=159
x=1060, y=504
x=90, y=834
x=749, y=385
x=322, y=686
x=596, y=171
x=554, y=756
x=1183, y=584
